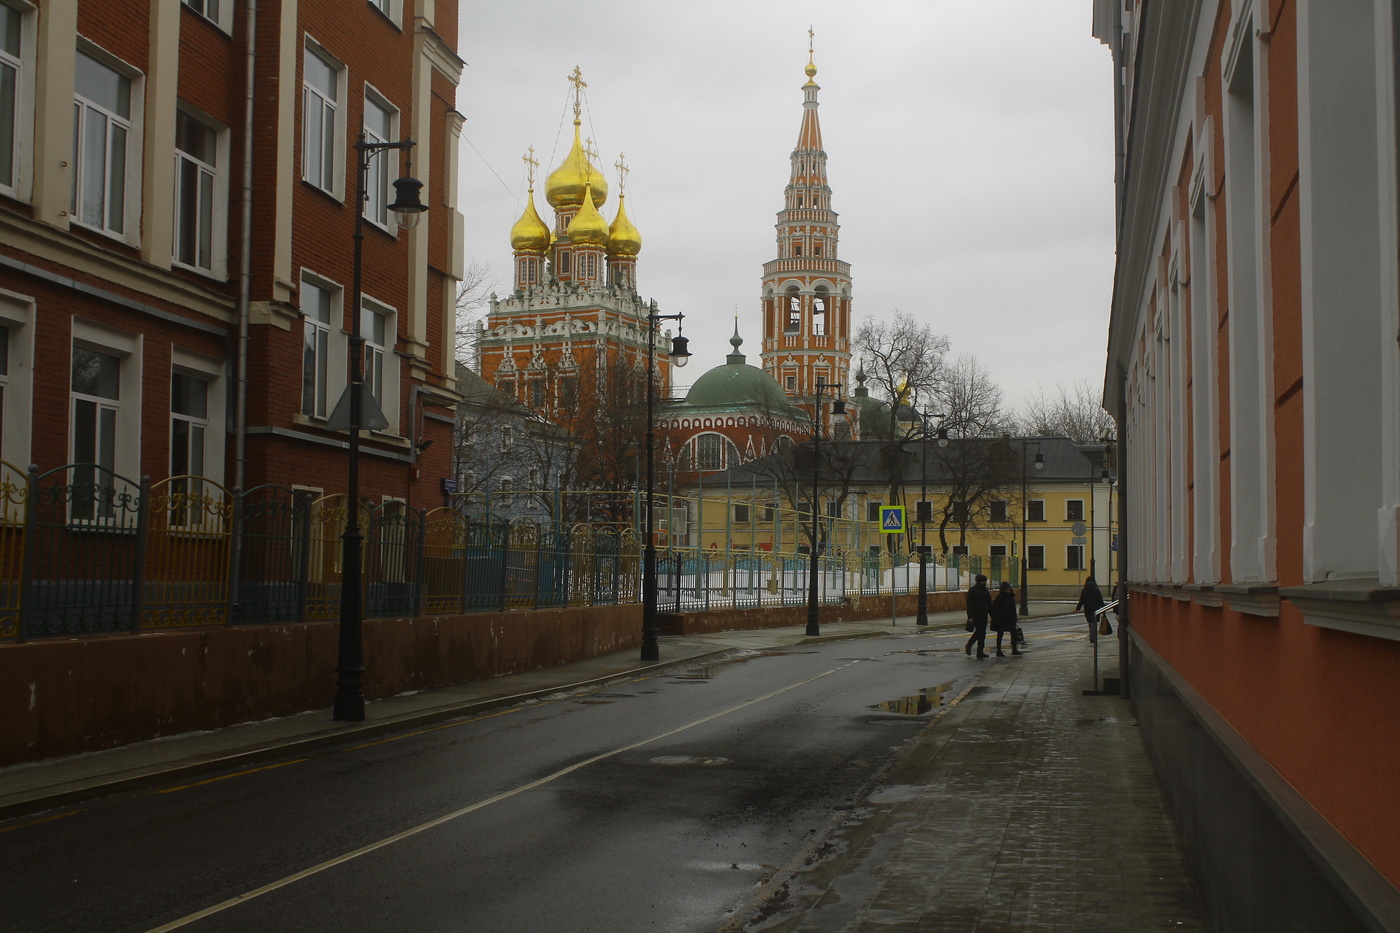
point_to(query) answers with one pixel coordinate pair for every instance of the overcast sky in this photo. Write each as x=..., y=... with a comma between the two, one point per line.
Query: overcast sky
x=969, y=145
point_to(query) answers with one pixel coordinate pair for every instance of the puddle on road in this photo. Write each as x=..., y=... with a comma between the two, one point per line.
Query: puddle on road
x=703, y=760
x=708, y=671
x=926, y=700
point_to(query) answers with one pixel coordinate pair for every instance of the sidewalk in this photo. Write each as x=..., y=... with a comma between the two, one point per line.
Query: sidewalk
x=1028, y=807
x=30, y=787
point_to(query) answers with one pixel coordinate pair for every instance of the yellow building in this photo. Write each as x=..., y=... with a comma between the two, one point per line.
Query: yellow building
x=977, y=493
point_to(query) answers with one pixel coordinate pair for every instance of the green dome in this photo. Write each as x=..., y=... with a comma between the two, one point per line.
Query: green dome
x=738, y=385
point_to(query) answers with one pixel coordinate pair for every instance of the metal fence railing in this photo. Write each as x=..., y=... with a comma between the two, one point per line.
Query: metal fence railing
x=86, y=551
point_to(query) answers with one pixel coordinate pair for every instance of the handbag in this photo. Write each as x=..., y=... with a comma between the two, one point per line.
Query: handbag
x=969, y=627
x=1104, y=627
x=1018, y=637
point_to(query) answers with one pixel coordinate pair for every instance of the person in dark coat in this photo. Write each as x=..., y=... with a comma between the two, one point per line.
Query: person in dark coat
x=1004, y=617
x=979, y=607
x=1091, y=601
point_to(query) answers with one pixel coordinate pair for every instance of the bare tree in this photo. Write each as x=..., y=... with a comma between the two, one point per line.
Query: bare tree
x=1074, y=412
x=976, y=473
x=902, y=360
x=969, y=400
x=473, y=295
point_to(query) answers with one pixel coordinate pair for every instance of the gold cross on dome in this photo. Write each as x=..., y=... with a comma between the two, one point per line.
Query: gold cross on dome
x=622, y=170
x=590, y=149
x=533, y=164
x=576, y=79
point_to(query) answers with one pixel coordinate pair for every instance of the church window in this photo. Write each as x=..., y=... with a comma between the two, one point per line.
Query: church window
x=797, y=249
x=568, y=392
x=561, y=261
x=507, y=386
x=794, y=315
x=709, y=452
x=791, y=383
x=818, y=317
x=537, y=394
x=817, y=248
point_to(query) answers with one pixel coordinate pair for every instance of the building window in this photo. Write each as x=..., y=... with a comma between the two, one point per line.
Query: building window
x=378, y=329
x=189, y=422
x=797, y=250
x=568, y=392
x=791, y=382
x=998, y=510
x=1074, y=510
x=198, y=195
x=741, y=514
x=507, y=387
x=381, y=126
x=794, y=321
x=96, y=401
x=709, y=452
x=320, y=306
x=389, y=8
x=1035, y=510
x=872, y=511
x=960, y=550
x=217, y=12
x=1035, y=557
x=321, y=134
x=957, y=512
x=537, y=394
x=923, y=511
x=4, y=380
x=998, y=551
x=14, y=95
x=102, y=130
x=818, y=317
x=1074, y=557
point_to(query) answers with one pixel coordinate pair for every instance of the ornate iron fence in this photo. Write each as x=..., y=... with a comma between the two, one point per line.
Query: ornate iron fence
x=86, y=551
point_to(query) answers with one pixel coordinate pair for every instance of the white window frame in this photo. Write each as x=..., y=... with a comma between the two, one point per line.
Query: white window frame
x=1031, y=505
x=392, y=10
x=131, y=126
x=211, y=372
x=126, y=459
x=385, y=374
x=217, y=175
x=314, y=101
x=1073, y=551
x=21, y=143
x=332, y=331
x=17, y=403
x=383, y=165
x=222, y=15
x=1035, y=557
x=1083, y=514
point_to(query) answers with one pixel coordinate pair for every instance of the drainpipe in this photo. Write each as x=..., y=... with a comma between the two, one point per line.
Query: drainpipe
x=240, y=415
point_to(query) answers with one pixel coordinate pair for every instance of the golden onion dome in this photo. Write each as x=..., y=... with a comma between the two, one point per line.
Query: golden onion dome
x=588, y=228
x=530, y=234
x=565, y=185
x=623, y=238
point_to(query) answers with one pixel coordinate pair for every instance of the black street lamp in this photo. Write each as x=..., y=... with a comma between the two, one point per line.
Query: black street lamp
x=680, y=355
x=350, y=666
x=1025, y=507
x=838, y=407
x=921, y=618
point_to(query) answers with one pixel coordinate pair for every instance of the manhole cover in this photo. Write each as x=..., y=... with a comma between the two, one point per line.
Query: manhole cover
x=689, y=760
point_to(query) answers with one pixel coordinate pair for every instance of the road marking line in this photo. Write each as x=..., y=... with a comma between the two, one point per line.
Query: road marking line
x=42, y=819
x=471, y=808
x=225, y=777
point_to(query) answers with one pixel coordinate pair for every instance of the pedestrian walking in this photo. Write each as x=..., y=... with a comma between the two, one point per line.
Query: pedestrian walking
x=1091, y=601
x=979, y=606
x=1004, y=617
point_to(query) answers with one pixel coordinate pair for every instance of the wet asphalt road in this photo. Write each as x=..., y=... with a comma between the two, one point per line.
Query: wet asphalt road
x=649, y=804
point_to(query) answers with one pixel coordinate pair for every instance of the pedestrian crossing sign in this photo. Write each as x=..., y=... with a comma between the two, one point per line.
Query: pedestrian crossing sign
x=892, y=519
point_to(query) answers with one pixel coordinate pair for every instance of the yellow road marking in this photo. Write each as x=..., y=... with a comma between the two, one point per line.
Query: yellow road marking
x=42, y=819
x=225, y=777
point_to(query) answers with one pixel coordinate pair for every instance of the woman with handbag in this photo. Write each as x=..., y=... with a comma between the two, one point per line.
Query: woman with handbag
x=1091, y=601
x=1004, y=617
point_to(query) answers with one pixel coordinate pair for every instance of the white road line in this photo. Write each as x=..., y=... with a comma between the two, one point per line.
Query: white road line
x=472, y=808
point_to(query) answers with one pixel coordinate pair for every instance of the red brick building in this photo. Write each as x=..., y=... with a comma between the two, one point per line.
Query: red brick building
x=176, y=262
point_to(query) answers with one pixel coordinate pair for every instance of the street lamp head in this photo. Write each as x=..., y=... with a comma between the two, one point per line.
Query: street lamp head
x=942, y=437
x=407, y=204
x=1039, y=460
x=680, y=351
x=838, y=407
